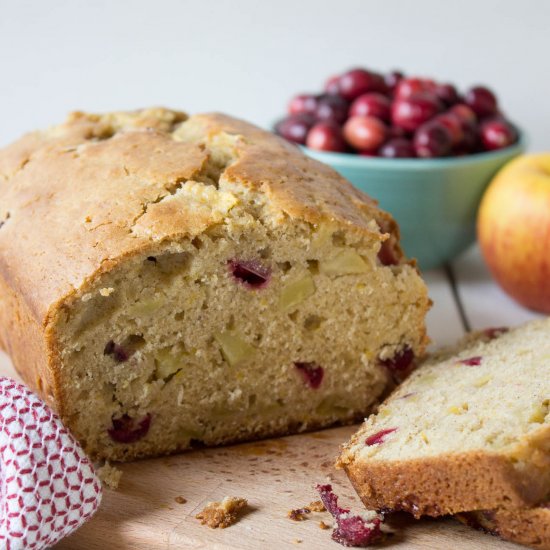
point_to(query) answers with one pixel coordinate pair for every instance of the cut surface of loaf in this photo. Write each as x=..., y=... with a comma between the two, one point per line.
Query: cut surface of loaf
x=468, y=430
x=167, y=282
x=528, y=526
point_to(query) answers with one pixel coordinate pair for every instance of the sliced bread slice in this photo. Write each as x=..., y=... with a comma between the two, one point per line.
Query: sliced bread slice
x=469, y=430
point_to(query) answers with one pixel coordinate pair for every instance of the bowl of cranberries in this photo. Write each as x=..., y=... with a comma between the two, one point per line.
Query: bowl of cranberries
x=422, y=148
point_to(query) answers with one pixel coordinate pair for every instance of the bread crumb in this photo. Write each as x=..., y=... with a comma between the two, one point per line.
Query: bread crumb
x=222, y=514
x=323, y=525
x=109, y=475
x=298, y=515
x=180, y=500
x=297, y=541
x=106, y=291
x=316, y=506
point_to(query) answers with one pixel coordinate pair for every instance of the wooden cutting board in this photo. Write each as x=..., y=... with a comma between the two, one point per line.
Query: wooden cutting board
x=275, y=476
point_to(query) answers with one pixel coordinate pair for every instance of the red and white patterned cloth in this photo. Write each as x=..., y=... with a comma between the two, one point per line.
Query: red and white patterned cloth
x=48, y=487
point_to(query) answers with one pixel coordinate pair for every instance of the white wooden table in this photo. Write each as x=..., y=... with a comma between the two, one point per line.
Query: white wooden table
x=278, y=475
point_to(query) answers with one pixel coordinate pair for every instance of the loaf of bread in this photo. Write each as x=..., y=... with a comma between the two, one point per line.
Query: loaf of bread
x=168, y=281
x=468, y=430
x=528, y=526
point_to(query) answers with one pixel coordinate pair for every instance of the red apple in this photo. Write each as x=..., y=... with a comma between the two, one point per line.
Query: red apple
x=514, y=230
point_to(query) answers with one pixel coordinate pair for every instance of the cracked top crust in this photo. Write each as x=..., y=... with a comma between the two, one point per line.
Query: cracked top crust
x=80, y=196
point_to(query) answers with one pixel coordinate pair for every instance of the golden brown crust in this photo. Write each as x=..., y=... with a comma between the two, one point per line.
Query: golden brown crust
x=302, y=188
x=436, y=486
x=24, y=339
x=528, y=526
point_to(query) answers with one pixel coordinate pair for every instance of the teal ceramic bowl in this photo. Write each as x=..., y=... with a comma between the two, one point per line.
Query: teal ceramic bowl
x=434, y=201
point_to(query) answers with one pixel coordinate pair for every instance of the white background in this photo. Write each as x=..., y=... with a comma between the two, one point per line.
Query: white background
x=246, y=57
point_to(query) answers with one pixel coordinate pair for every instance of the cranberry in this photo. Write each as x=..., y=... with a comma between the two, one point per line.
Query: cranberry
x=365, y=132
x=303, y=103
x=387, y=254
x=379, y=437
x=408, y=87
x=396, y=132
x=454, y=125
x=357, y=531
x=331, y=85
x=392, y=79
x=371, y=104
x=412, y=112
x=380, y=84
x=470, y=129
x=311, y=373
x=119, y=353
x=250, y=273
x=397, y=148
x=330, y=501
x=401, y=361
x=432, y=140
x=497, y=134
x=447, y=93
x=128, y=430
x=326, y=136
x=471, y=141
x=471, y=361
x=482, y=101
x=295, y=128
x=332, y=108
x=464, y=112
x=359, y=81
x=350, y=530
